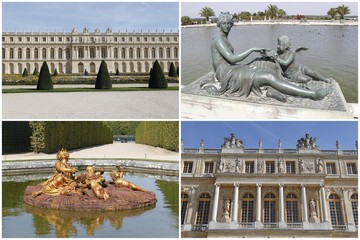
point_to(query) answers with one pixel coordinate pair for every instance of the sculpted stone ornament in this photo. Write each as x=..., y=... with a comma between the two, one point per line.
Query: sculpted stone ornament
x=89, y=191
x=307, y=143
x=232, y=142
x=320, y=165
x=273, y=78
x=313, y=214
x=226, y=211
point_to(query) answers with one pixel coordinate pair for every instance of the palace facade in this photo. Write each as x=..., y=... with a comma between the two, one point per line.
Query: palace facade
x=76, y=52
x=237, y=192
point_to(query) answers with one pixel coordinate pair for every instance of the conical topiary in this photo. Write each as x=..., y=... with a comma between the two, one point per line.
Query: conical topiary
x=172, y=71
x=86, y=73
x=177, y=70
x=103, y=80
x=55, y=72
x=117, y=72
x=35, y=72
x=44, y=82
x=25, y=73
x=157, y=78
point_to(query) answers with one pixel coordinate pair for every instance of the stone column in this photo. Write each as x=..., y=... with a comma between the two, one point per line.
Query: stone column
x=7, y=53
x=304, y=203
x=15, y=53
x=47, y=53
x=216, y=202
x=258, y=223
x=235, y=203
x=325, y=216
x=56, y=55
x=282, y=223
x=32, y=53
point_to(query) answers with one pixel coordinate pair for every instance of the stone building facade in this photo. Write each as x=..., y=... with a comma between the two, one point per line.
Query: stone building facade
x=237, y=192
x=76, y=52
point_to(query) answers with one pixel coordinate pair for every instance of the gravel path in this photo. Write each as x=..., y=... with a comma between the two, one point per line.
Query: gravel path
x=92, y=105
x=115, y=150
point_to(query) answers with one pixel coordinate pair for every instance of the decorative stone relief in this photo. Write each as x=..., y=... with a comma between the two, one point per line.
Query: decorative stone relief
x=281, y=165
x=306, y=166
x=307, y=142
x=232, y=142
x=313, y=214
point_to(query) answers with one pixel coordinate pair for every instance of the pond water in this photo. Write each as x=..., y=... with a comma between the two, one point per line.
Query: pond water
x=161, y=221
x=333, y=50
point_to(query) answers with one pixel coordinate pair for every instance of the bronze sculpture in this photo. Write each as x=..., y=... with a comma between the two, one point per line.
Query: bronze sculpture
x=239, y=80
x=95, y=181
x=119, y=181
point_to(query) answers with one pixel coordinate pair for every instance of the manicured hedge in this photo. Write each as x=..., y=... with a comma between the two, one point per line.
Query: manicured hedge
x=15, y=137
x=159, y=134
x=49, y=137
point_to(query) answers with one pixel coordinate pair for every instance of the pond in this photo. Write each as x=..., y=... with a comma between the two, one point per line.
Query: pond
x=161, y=221
x=333, y=50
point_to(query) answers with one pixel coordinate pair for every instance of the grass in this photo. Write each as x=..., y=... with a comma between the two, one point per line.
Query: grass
x=122, y=89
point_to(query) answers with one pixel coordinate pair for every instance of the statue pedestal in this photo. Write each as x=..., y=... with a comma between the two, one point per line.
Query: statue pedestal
x=198, y=104
x=226, y=218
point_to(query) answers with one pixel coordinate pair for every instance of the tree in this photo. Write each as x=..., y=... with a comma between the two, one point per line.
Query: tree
x=281, y=13
x=185, y=20
x=35, y=72
x=44, y=82
x=25, y=73
x=245, y=15
x=55, y=72
x=86, y=73
x=172, y=70
x=103, y=80
x=236, y=17
x=332, y=12
x=117, y=72
x=343, y=10
x=157, y=78
x=272, y=11
x=207, y=13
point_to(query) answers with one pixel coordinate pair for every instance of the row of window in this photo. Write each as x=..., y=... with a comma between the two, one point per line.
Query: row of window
x=91, y=39
x=132, y=53
x=292, y=206
x=270, y=167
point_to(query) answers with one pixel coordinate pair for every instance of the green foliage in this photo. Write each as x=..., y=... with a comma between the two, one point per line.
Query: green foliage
x=49, y=137
x=117, y=72
x=159, y=134
x=15, y=137
x=157, y=78
x=332, y=12
x=44, y=82
x=86, y=73
x=177, y=71
x=207, y=12
x=172, y=71
x=103, y=80
x=25, y=73
x=185, y=20
x=35, y=72
x=343, y=10
x=56, y=72
x=123, y=128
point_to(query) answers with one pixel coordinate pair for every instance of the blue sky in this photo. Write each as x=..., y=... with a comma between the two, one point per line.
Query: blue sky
x=326, y=133
x=291, y=8
x=63, y=16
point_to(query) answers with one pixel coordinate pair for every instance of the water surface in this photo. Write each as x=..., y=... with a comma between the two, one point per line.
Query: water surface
x=333, y=50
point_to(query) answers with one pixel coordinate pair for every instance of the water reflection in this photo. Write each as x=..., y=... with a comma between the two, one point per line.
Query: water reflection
x=21, y=220
x=64, y=222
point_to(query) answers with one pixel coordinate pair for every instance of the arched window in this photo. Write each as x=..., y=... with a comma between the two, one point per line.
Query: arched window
x=52, y=53
x=161, y=55
x=3, y=53
x=92, y=52
x=247, y=209
x=44, y=53
x=175, y=52
x=123, y=53
x=202, y=216
x=138, y=53
x=168, y=52
x=19, y=53
x=335, y=210
x=81, y=52
x=269, y=208
x=36, y=53
x=60, y=55
x=153, y=53
x=11, y=53
x=292, y=210
x=354, y=207
x=146, y=53
x=28, y=53
x=116, y=53
x=184, y=204
x=131, y=53
x=139, y=67
x=103, y=52
x=68, y=54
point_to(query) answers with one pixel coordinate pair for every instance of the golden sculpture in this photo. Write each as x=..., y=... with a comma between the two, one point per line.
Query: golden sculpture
x=94, y=180
x=119, y=181
x=63, y=181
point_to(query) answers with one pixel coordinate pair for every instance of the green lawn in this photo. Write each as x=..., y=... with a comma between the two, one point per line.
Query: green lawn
x=124, y=89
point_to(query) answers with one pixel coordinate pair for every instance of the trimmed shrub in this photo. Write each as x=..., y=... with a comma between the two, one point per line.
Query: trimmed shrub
x=103, y=80
x=25, y=73
x=117, y=72
x=55, y=72
x=159, y=134
x=35, y=72
x=50, y=136
x=177, y=70
x=172, y=71
x=86, y=73
x=44, y=82
x=157, y=78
